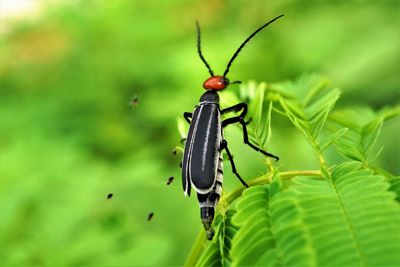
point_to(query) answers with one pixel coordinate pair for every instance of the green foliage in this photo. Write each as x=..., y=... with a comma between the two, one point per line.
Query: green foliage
x=359, y=143
x=347, y=215
x=307, y=104
x=255, y=236
x=261, y=112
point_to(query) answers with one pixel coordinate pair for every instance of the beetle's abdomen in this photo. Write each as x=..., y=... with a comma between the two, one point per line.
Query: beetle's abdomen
x=208, y=202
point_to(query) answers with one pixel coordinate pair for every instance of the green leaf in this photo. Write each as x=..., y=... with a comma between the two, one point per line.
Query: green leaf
x=348, y=219
x=271, y=230
x=269, y=258
x=359, y=142
x=183, y=127
x=369, y=134
x=304, y=88
x=254, y=236
x=218, y=252
x=352, y=218
x=309, y=104
x=229, y=98
x=333, y=138
x=276, y=185
x=211, y=257
x=395, y=186
x=292, y=237
x=260, y=114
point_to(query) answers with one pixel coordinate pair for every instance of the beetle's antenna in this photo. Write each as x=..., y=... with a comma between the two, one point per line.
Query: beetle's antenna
x=245, y=42
x=199, y=49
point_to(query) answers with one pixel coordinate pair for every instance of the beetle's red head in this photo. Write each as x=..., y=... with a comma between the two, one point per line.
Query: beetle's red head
x=216, y=83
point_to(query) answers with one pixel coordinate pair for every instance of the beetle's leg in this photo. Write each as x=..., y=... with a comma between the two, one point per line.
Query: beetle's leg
x=224, y=145
x=187, y=116
x=236, y=108
x=245, y=135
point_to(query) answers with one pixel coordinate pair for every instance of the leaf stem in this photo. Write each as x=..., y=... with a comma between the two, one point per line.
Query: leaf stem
x=196, y=249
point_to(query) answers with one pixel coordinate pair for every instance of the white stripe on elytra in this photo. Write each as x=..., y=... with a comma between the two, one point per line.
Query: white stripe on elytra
x=191, y=144
x=203, y=156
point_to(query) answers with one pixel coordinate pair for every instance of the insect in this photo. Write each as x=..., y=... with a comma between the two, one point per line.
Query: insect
x=202, y=166
x=170, y=180
x=109, y=196
x=150, y=216
x=134, y=101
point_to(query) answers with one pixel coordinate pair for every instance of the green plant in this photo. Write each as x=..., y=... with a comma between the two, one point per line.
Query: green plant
x=346, y=213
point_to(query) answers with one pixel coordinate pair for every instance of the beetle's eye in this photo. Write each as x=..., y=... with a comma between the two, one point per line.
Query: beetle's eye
x=224, y=80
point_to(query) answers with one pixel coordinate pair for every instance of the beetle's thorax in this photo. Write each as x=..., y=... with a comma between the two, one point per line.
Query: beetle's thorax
x=209, y=97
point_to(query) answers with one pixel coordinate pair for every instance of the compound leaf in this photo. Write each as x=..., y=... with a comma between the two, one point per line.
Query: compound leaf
x=359, y=142
x=309, y=103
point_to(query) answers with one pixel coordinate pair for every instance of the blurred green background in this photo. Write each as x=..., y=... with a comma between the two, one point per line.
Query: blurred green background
x=68, y=135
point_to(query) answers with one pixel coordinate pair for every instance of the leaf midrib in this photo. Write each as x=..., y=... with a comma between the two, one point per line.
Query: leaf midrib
x=349, y=224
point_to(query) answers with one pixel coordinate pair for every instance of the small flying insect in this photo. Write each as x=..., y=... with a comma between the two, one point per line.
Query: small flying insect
x=170, y=179
x=134, y=101
x=150, y=216
x=110, y=195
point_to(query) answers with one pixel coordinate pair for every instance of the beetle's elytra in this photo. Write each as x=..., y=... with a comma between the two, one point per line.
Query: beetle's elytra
x=202, y=165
